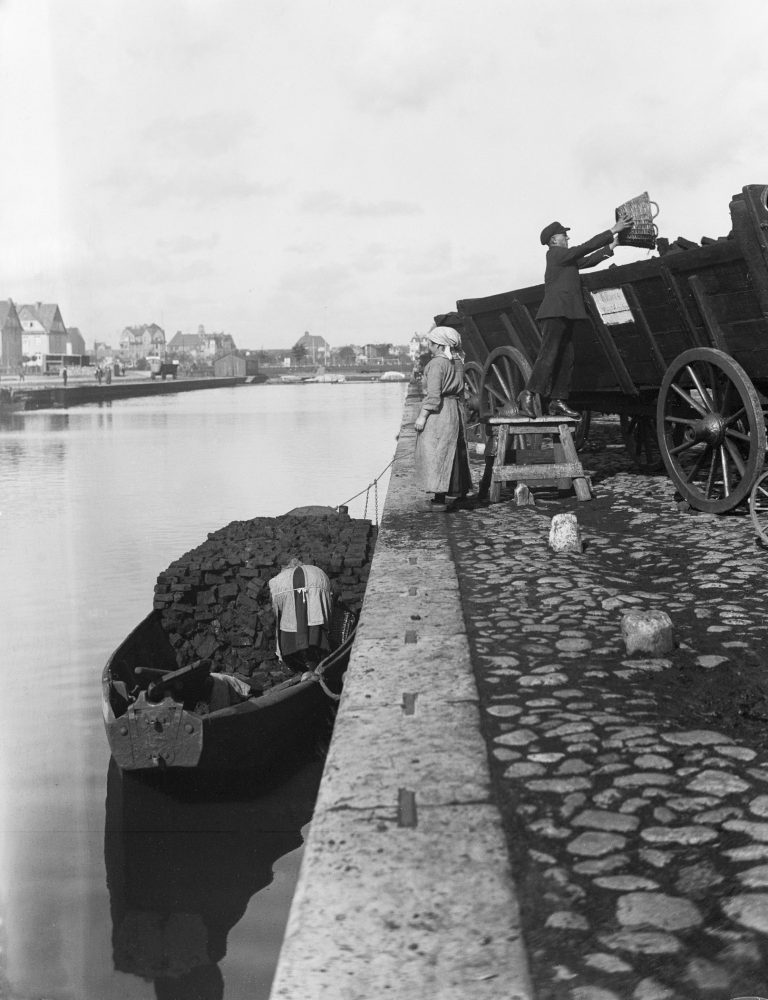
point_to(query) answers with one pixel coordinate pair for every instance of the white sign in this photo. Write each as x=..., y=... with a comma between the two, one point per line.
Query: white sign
x=612, y=306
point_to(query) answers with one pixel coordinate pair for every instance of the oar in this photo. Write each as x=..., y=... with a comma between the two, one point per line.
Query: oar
x=157, y=689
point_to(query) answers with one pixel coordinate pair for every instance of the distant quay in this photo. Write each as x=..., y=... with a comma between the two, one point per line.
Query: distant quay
x=45, y=393
x=40, y=396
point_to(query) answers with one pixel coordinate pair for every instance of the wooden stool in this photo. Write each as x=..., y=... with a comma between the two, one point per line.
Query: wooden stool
x=566, y=472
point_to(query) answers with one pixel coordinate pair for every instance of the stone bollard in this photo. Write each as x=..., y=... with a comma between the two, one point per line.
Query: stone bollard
x=523, y=496
x=647, y=632
x=564, y=534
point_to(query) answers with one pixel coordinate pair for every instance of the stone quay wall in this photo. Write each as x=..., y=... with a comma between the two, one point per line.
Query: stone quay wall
x=405, y=889
x=26, y=397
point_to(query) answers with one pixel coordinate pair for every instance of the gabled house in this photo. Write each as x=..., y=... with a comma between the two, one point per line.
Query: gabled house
x=42, y=329
x=318, y=349
x=10, y=335
x=217, y=344
x=185, y=343
x=202, y=345
x=142, y=341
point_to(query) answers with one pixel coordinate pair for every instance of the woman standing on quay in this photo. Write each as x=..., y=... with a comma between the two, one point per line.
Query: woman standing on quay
x=442, y=463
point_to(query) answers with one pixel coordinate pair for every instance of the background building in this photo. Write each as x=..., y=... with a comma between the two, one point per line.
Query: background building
x=317, y=349
x=141, y=341
x=42, y=329
x=10, y=336
x=201, y=346
x=75, y=341
x=228, y=365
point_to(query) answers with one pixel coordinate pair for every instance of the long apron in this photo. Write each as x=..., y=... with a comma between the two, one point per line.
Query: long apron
x=441, y=457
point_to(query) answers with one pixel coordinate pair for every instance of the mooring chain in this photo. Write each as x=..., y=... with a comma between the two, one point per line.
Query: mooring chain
x=371, y=486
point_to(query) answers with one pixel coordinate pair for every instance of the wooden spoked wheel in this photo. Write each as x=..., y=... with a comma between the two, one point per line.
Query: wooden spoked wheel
x=473, y=377
x=710, y=429
x=758, y=506
x=581, y=433
x=639, y=436
x=505, y=374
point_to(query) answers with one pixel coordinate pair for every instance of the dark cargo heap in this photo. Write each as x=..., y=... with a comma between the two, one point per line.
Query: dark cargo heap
x=214, y=600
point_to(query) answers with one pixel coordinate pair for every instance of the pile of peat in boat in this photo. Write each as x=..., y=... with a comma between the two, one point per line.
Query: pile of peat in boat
x=214, y=601
x=213, y=615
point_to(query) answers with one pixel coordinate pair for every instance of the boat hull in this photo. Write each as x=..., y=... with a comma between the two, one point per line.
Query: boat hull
x=250, y=736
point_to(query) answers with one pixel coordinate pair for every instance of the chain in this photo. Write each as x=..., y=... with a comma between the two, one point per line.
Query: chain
x=371, y=486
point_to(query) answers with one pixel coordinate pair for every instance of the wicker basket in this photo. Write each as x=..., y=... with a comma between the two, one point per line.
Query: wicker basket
x=342, y=622
x=643, y=232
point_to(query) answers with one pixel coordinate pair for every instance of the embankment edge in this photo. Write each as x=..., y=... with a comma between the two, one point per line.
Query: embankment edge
x=405, y=889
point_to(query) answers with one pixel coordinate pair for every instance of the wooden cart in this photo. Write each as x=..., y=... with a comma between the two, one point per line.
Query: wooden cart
x=676, y=345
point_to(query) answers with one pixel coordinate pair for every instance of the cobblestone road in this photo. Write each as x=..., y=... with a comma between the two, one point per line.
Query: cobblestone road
x=634, y=791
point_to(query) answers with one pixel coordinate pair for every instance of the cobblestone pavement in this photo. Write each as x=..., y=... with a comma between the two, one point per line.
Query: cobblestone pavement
x=634, y=791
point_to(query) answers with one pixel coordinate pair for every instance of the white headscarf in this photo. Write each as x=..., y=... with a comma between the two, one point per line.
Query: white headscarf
x=447, y=338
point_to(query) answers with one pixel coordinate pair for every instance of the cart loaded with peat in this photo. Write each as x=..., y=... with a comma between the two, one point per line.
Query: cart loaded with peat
x=675, y=344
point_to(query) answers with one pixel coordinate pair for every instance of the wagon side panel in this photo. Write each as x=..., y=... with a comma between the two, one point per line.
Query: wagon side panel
x=728, y=312
x=490, y=323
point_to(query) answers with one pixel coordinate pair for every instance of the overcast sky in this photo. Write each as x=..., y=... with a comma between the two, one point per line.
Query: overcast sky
x=266, y=167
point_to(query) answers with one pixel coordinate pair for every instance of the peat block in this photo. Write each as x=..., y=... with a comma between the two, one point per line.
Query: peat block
x=214, y=600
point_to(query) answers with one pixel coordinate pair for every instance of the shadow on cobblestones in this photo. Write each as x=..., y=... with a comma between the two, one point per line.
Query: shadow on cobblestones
x=634, y=791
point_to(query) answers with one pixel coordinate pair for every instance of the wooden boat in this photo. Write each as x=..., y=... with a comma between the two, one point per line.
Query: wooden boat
x=156, y=719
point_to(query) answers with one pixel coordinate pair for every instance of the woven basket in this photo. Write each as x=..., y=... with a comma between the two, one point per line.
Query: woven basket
x=643, y=232
x=342, y=622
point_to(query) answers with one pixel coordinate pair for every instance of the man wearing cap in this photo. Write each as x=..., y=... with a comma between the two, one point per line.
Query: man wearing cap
x=562, y=306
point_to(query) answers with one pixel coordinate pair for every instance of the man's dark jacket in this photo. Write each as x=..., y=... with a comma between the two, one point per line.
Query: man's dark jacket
x=562, y=284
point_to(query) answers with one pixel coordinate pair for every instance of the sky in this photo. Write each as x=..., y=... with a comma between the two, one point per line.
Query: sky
x=349, y=168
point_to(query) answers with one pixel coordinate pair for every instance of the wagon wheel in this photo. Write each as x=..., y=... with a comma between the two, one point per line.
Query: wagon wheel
x=581, y=431
x=639, y=436
x=710, y=428
x=473, y=375
x=505, y=374
x=758, y=506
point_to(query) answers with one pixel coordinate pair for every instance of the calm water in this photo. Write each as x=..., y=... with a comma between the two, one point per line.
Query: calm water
x=94, y=502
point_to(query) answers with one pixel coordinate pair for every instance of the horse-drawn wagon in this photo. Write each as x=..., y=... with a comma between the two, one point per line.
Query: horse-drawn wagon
x=676, y=345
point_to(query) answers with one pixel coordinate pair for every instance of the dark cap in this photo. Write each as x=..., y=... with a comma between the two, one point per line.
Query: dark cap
x=549, y=231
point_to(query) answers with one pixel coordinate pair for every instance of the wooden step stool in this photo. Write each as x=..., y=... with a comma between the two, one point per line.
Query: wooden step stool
x=567, y=473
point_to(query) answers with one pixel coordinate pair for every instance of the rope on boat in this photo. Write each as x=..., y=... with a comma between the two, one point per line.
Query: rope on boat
x=327, y=690
x=371, y=486
x=331, y=660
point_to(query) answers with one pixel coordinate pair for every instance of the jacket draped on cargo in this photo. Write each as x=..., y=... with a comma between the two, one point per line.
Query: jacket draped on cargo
x=303, y=611
x=442, y=465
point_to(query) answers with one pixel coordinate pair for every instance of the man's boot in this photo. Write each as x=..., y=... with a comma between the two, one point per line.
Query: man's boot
x=559, y=408
x=527, y=403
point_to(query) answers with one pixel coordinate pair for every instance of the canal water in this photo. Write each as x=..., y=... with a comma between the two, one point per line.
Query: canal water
x=112, y=890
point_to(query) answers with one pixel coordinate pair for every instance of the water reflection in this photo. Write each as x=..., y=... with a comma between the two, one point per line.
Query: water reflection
x=54, y=421
x=182, y=868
